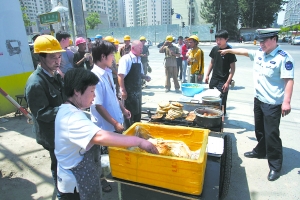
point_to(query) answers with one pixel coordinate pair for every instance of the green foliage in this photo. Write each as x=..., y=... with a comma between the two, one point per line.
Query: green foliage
x=26, y=20
x=92, y=20
x=264, y=13
x=228, y=9
x=258, y=13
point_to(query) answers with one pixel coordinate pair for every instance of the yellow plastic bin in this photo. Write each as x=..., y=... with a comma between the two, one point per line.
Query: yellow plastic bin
x=178, y=174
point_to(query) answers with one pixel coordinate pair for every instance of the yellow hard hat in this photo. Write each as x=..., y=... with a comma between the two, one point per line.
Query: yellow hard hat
x=195, y=37
x=142, y=38
x=126, y=37
x=70, y=42
x=116, y=42
x=169, y=38
x=109, y=39
x=47, y=44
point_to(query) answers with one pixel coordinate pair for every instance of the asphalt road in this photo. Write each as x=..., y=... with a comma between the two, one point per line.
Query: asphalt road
x=249, y=176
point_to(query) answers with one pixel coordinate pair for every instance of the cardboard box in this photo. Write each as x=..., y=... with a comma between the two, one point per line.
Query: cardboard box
x=178, y=174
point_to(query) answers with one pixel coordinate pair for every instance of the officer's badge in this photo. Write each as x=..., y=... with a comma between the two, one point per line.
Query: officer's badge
x=289, y=65
x=282, y=53
x=272, y=62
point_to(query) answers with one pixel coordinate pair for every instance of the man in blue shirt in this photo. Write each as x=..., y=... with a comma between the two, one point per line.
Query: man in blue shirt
x=273, y=83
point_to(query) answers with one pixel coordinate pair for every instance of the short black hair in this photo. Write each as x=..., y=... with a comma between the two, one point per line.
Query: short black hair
x=276, y=36
x=35, y=36
x=89, y=39
x=78, y=79
x=221, y=34
x=186, y=37
x=103, y=48
x=62, y=35
x=180, y=37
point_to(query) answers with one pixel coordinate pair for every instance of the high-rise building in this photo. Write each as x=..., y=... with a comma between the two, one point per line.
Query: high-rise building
x=33, y=8
x=187, y=11
x=292, y=13
x=148, y=12
x=110, y=11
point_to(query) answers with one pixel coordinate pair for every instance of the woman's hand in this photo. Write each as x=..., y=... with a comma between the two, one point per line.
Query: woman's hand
x=148, y=146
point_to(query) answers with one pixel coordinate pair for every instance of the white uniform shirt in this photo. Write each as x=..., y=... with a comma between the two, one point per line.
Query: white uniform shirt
x=73, y=132
x=269, y=72
x=126, y=62
x=180, y=49
x=105, y=96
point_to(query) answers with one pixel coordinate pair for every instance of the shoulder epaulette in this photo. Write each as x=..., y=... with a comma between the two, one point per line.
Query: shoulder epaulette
x=281, y=52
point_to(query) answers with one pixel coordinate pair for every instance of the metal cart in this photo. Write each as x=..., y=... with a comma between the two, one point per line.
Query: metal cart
x=217, y=174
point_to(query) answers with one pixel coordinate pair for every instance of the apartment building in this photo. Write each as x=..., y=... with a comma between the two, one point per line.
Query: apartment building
x=33, y=9
x=187, y=11
x=292, y=13
x=110, y=11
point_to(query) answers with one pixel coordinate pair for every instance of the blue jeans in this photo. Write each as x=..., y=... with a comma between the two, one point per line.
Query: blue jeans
x=184, y=65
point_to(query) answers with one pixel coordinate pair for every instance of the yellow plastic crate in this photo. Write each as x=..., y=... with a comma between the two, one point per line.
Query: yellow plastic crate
x=178, y=174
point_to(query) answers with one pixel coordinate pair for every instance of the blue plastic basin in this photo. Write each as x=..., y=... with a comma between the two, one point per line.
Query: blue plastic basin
x=190, y=89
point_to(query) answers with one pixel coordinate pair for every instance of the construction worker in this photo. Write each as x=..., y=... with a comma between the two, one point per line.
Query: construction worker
x=67, y=56
x=81, y=57
x=109, y=39
x=98, y=39
x=127, y=47
x=44, y=92
x=144, y=57
x=171, y=71
x=35, y=57
x=117, y=58
x=195, y=60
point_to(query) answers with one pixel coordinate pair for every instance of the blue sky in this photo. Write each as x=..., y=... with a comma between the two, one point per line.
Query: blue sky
x=281, y=16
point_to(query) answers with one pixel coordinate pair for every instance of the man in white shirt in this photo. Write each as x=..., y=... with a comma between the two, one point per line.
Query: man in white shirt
x=107, y=112
x=179, y=45
x=130, y=75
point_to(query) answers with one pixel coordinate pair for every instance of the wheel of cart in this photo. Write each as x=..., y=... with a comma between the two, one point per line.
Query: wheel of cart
x=225, y=169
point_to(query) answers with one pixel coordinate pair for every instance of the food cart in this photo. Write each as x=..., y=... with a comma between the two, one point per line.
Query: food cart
x=218, y=164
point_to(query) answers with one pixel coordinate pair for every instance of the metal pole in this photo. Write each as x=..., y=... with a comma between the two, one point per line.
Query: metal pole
x=190, y=17
x=220, y=26
x=78, y=16
x=253, y=12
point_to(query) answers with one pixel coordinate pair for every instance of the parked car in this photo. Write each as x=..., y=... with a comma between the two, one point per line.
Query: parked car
x=286, y=39
x=295, y=40
x=148, y=43
x=160, y=44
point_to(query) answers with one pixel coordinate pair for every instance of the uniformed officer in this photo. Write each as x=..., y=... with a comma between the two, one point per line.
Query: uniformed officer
x=127, y=47
x=273, y=83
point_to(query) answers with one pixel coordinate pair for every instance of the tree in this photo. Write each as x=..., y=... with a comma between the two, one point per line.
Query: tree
x=26, y=20
x=258, y=13
x=214, y=10
x=92, y=20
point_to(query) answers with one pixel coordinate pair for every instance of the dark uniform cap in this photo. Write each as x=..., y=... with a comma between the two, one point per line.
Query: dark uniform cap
x=263, y=34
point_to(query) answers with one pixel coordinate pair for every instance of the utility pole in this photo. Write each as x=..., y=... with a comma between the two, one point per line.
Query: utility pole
x=190, y=9
x=78, y=17
x=253, y=12
x=220, y=17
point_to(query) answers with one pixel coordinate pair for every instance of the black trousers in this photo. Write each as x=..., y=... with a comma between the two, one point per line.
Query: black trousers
x=132, y=120
x=54, y=170
x=179, y=67
x=267, y=119
x=219, y=84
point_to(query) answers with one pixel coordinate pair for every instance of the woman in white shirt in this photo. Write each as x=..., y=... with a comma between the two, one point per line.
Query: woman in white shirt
x=77, y=139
